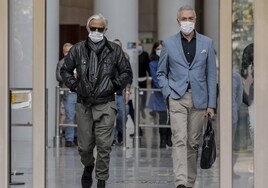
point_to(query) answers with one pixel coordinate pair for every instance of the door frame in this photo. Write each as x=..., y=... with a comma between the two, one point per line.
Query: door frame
x=260, y=93
x=4, y=95
x=39, y=93
x=225, y=88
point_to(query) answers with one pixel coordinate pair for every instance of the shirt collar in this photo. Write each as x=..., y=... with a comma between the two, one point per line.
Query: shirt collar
x=182, y=36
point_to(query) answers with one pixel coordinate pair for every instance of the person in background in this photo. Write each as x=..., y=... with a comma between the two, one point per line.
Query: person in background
x=187, y=78
x=69, y=102
x=247, y=73
x=118, y=131
x=65, y=49
x=144, y=72
x=102, y=69
x=237, y=99
x=156, y=101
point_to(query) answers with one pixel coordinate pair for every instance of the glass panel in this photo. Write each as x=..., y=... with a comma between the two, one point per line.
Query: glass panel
x=20, y=77
x=242, y=85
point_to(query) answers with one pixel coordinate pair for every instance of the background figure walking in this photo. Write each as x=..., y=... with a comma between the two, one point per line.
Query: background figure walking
x=156, y=101
x=144, y=72
x=69, y=102
x=237, y=99
x=122, y=101
x=247, y=73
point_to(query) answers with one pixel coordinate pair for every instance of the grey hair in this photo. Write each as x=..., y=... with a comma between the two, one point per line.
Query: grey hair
x=185, y=7
x=97, y=17
x=117, y=41
x=67, y=45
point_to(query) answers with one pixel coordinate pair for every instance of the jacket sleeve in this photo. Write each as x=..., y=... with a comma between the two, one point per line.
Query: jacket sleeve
x=59, y=65
x=153, y=71
x=125, y=74
x=211, y=76
x=162, y=72
x=67, y=70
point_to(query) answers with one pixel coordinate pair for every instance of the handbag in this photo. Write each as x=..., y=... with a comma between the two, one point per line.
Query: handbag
x=208, y=155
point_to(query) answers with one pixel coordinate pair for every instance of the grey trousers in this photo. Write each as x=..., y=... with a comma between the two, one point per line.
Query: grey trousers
x=186, y=127
x=95, y=128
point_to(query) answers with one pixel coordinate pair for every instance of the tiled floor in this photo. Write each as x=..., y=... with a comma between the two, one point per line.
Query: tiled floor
x=146, y=167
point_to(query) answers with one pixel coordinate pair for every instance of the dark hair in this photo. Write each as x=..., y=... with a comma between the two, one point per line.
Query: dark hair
x=153, y=56
x=247, y=59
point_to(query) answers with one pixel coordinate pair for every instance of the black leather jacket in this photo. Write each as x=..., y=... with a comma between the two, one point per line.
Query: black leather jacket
x=112, y=72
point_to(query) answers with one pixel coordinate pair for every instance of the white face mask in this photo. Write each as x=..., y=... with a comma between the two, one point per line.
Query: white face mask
x=158, y=52
x=187, y=27
x=95, y=36
x=140, y=49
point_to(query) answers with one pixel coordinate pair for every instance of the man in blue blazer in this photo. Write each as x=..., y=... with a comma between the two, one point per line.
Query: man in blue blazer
x=187, y=77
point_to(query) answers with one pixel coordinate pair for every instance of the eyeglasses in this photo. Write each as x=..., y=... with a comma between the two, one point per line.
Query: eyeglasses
x=100, y=29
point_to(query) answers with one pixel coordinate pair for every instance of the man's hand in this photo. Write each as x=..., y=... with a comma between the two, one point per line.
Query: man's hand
x=127, y=96
x=210, y=112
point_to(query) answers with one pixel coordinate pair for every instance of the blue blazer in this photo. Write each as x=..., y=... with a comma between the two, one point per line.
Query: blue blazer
x=174, y=72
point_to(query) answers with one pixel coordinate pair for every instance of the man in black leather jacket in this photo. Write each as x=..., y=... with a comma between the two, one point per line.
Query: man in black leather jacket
x=102, y=69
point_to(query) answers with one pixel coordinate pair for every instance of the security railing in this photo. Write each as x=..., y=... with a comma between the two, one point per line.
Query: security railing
x=57, y=138
x=58, y=125
x=138, y=124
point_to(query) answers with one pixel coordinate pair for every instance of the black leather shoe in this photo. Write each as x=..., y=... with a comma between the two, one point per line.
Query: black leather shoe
x=101, y=184
x=114, y=143
x=75, y=141
x=140, y=133
x=163, y=143
x=169, y=142
x=68, y=144
x=86, y=179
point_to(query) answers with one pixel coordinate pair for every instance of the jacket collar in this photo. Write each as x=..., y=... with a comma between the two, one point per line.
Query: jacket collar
x=106, y=43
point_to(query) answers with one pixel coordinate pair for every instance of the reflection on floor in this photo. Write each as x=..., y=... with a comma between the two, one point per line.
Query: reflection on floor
x=146, y=167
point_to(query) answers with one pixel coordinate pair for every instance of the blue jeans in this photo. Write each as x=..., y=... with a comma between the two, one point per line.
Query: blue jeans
x=70, y=111
x=118, y=130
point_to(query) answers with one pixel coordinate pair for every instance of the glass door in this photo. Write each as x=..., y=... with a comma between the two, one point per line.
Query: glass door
x=20, y=89
x=243, y=113
x=27, y=92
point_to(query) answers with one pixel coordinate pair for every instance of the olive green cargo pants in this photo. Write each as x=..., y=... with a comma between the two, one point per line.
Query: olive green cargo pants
x=95, y=128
